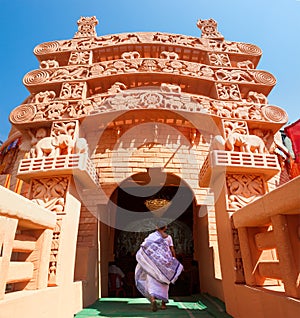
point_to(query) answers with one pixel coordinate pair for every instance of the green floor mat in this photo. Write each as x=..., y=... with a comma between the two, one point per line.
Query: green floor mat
x=191, y=306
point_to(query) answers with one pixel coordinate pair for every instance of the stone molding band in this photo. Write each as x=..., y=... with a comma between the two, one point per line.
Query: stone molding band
x=142, y=99
x=147, y=38
x=164, y=66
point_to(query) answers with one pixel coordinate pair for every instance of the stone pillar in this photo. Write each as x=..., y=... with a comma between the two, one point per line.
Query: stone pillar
x=238, y=175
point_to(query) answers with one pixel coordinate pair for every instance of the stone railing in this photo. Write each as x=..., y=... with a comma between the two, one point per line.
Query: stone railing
x=269, y=235
x=219, y=161
x=25, y=243
x=79, y=165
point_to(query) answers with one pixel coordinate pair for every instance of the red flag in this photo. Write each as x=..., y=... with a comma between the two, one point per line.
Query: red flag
x=293, y=132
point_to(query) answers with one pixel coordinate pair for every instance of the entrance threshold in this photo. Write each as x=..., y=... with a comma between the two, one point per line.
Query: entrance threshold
x=185, y=306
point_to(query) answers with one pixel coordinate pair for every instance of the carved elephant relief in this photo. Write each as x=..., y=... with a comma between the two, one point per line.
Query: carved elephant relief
x=81, y=146
x=246, y=143
x=54, y=146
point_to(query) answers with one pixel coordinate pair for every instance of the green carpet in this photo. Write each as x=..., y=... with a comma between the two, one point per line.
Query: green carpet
x=190, y=306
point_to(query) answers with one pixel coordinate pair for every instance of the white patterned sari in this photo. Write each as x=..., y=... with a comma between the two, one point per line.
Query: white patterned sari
x=156, y=267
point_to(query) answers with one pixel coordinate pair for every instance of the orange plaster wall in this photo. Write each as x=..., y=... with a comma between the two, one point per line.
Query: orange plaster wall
x=135, y=152
x=208, y=281
x=254, y=302
x=117, y=158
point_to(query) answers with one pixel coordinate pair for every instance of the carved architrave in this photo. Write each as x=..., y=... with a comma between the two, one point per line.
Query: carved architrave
x=153, y=65
x=50, y=193
x=243, y=189
x=117, y=97
x=149, y=37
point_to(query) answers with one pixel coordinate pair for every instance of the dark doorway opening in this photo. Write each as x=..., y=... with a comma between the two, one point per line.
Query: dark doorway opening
x=127, y=242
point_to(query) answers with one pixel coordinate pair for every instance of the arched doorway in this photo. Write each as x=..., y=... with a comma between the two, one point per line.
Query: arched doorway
x=130, y=232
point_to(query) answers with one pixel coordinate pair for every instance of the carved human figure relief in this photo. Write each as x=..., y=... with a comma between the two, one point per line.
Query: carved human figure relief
x=80, y=108
x=239, y=269
x=54, y=253
x=221, y=108
x=55, y=110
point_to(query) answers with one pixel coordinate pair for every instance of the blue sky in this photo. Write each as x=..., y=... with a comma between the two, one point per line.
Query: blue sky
x=273, y=25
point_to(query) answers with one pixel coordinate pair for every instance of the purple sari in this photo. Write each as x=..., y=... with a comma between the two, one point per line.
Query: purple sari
x=156, y=267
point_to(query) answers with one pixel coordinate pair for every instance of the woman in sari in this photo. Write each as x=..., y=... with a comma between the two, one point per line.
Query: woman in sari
x=157, y=266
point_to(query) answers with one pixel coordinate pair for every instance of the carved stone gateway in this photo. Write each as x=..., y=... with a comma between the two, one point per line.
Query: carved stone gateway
x=107, y=111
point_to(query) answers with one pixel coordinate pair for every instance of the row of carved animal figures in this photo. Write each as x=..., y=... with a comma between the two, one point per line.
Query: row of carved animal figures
x=240, y=142
x=52, y=146
x=65, y=144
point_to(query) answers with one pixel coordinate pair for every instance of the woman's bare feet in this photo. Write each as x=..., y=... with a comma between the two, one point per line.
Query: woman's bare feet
x=153, y=304
x=163, y=305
